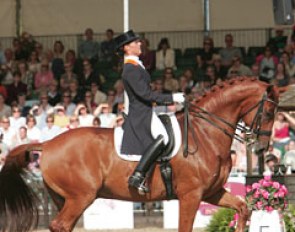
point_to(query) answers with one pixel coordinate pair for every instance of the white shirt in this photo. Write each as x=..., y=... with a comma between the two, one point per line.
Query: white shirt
x=107, y=120
x=16, y=123
x=49, y=133
x=34, y=134
x=8, y=136
x=86, y=120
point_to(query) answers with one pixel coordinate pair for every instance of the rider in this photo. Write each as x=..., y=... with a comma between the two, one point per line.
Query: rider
x=137, y=138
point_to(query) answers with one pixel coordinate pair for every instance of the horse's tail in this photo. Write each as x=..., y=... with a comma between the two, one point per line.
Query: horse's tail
x=18, y=202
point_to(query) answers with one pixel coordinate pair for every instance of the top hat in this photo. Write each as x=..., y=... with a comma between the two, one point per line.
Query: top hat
x=125, y=38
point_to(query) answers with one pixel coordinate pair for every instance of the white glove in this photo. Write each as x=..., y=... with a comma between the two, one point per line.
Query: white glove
x=178, y=97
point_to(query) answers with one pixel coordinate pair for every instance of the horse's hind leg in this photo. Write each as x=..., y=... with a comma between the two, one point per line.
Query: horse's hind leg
x=70, y=213
x=226, y=199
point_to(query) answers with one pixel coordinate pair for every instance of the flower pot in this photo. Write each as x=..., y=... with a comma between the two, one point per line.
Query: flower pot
x=263, y=221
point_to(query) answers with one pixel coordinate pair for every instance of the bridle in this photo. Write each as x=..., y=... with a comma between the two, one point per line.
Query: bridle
x=254, y=128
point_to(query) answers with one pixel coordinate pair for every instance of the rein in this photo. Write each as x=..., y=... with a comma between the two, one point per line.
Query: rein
x=202, y=113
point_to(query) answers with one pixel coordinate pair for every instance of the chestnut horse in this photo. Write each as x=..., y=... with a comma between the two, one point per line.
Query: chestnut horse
x=81, y=165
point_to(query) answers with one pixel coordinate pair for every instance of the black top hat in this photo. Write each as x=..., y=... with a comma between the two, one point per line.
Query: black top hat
x=125, y=38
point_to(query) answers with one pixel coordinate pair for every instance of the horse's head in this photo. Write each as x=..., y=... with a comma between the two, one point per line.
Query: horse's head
x=259, y=114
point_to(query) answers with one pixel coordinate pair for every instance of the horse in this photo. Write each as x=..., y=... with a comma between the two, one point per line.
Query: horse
x=81, y=165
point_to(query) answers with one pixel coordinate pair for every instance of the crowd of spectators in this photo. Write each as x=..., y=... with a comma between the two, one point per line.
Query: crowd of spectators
x=46, y=92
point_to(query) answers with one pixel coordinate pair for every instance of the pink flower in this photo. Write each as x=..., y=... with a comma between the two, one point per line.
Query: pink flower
x=266, y=183
x=276, y=194
x=276, y=185
x=256, y=194
x=248, y=188
x=255, y=186
x=265, y=194
x=236, y=216
x=267, y=178
x=269, y=208
x=232, y=223
x=281, y=193
x=284, y=189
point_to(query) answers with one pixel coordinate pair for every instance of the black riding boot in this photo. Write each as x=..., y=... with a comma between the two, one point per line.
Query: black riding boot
x=146, y=161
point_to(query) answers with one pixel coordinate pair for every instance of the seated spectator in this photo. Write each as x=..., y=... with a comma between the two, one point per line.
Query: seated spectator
x=281, y=77
x=26, y=77
x=271, y=161
x=105, y=115
x=21, y=137
x=272, y=150
x=169, y=81
x=108, y=47
x=267, y=63
x=4, y=150
x=21, y=103
x=98, y=96
x=11, y=63
x=34, y=64
x=96, y=122
x=158, y=86
x=111, y=98
x=89, y=101
x=74, y=122
x=119, y=89
x=8, y=133
x=58, y=59
x=279, y=41
x=206, y=53
x=15, y=88
x=190, y=76
x=50, y=130
x=76, y=93
x=229, y=51
x=85, y=118
x=77, y=64
x=147, y=56
x=220, y=70
x=165, y=56
x=290, y=68
x=2, y=57
x=255, y=70
x=27, y=42
x=40, y=54
x=54, y=96
x=88, y=76
x=5, y=110
x=33, y=132
x=239, y=68
x=18, y=51
x=210, y=75
x=67, y=103
x=89, y=49
x=60, y=118
x=183, y=84
x=16, y=120
x=43, y=78
x=67, y=77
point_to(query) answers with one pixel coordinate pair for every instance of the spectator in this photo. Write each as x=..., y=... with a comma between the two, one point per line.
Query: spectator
x=74, y=122
x=279, y=41
x=5, y=110
x=43, y=78
x=89, y=49
x=40, y=54
x=290, y=68
x=88, y=76
x=10, y=60
x=77, y=64
x=147, y=56
x=96, y=122
x=220, y=70
x=77, y=95
x=60, y=118
x=108, y=47
x=34, y=65
x=33, y=132
x=119, y=89
x=27, y=42
x=54, y=96
x=58, y=59
x=50, y=130
x=229, y=51
x=85, y=118
x=67, y=103
x=2, y=57
x=26, y=77
x=8, y=132
x=255, y=70
x=239, y=68
x=267, y=62
x=105, y=115
x=206, y=53
x=40, y=112
x=21, y=103
x=210, y=75
x=67, y=77
x=271, y=161
x=158, y=86
x=21, y=137
x=89, y=102
x=165, y=56
x=272, y=150
x=3, y=151
x=19, y=52
x=169, y=81
x=16, y=120
x=15, y=88
x=281, y=77
x=183, y=84
x=98, y=96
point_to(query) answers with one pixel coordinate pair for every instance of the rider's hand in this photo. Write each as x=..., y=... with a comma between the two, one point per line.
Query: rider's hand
x=178, y=97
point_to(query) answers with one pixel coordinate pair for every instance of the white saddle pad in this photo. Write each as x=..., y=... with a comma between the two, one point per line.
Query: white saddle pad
x=157, y=129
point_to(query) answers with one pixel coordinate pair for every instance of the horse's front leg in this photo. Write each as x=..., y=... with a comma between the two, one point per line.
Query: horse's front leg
x=188, y=206
x=226, y=199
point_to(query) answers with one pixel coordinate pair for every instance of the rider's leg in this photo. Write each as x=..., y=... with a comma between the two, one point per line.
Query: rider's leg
x=146, y=161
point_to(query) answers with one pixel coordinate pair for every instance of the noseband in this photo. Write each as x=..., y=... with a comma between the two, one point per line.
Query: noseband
x=205, y=115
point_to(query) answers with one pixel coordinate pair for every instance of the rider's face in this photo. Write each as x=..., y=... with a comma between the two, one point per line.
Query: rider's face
x=133, y=48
